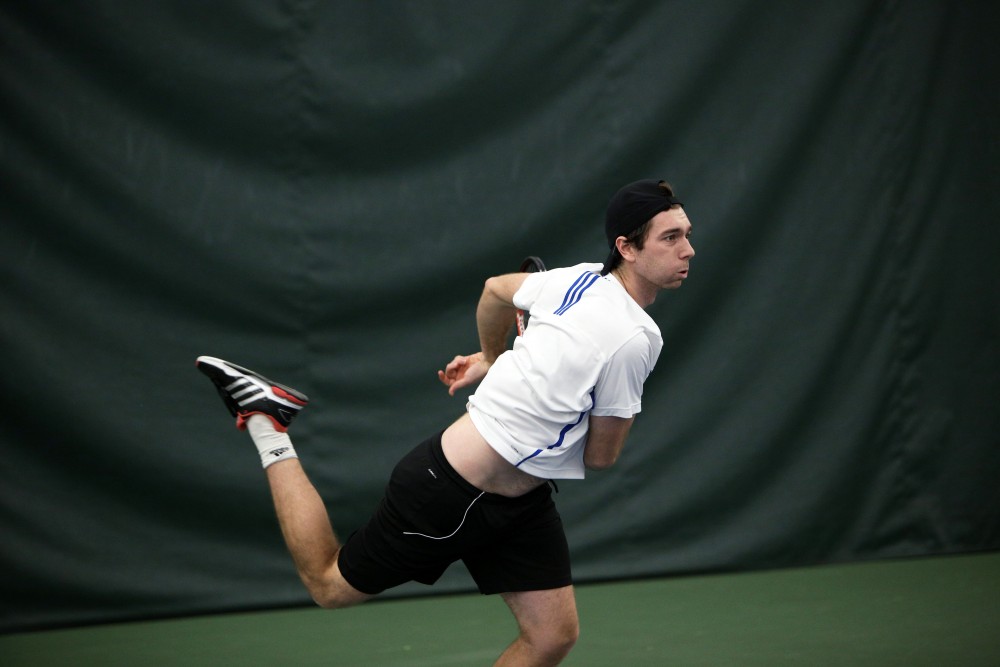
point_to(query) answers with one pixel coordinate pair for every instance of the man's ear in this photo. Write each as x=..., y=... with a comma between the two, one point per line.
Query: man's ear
x=625, y=249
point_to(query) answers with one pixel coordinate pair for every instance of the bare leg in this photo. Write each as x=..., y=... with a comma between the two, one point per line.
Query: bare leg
x=549, y=627
x=309, y=535
x=266, y=409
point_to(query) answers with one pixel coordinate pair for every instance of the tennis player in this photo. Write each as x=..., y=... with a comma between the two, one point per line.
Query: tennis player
x=560, y=401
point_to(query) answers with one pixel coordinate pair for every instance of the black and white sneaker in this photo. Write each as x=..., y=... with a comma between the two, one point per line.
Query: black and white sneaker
x=247, y=393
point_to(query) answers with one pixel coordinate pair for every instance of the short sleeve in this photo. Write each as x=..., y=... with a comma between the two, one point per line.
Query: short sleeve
x=528, y=293
x=618, y=392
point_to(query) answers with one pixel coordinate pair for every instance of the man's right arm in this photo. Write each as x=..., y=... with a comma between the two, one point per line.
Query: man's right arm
x=495, y=320
x=495, y=314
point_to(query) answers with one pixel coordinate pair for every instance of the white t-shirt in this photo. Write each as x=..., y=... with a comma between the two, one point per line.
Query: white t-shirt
x=587, y=350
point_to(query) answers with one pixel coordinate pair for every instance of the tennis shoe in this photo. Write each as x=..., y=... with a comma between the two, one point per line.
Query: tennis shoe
x=247, y=393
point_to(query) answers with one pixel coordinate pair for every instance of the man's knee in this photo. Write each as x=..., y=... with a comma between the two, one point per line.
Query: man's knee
x=567, y=634
x=556, y=639
x=330, y=590
x=548, y=622
x=334, y=600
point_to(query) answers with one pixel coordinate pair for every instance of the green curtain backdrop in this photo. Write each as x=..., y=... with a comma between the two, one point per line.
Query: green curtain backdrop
x=317, y=191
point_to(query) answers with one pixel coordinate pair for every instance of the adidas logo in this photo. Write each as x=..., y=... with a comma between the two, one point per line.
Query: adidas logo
x=278, y=452
x=244, y=391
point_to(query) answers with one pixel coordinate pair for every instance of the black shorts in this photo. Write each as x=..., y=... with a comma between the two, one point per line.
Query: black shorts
x=430, y=517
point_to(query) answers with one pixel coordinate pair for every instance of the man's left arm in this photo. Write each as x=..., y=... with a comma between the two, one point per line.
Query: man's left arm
x=605, y=441
x=618, y=396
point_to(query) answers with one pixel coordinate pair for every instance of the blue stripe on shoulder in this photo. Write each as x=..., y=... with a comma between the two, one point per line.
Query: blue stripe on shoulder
x=572, y=289
x=576, y=290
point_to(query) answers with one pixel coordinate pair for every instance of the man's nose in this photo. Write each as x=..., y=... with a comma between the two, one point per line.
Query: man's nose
x=687, y=251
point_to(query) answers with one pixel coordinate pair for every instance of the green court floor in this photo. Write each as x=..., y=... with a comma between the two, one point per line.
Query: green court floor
x=933, y=612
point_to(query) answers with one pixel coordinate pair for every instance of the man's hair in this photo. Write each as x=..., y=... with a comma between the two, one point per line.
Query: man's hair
x=637, y=237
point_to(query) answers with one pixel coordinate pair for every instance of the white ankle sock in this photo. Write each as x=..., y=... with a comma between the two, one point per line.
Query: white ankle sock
x=272, y=444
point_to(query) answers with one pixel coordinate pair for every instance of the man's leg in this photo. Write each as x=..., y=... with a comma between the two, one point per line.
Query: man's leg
x=309, y=535
x=266, y=409
x=548, y=624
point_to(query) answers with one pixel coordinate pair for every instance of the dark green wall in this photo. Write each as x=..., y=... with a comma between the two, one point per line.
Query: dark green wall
x=317, y=190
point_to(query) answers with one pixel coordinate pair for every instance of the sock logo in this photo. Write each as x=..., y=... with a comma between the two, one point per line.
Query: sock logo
x=278, y=452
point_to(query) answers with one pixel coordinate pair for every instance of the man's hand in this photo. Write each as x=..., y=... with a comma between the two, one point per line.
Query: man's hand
x=463, y=370
x=494, y=321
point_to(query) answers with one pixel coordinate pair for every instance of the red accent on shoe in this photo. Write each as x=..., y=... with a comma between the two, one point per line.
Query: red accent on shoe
x=241, y=421
x=278, y=391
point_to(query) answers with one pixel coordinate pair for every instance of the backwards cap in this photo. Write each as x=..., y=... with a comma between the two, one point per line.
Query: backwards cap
x=632, y=207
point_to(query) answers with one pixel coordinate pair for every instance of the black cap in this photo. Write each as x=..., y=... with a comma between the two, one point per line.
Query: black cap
x=632, y=207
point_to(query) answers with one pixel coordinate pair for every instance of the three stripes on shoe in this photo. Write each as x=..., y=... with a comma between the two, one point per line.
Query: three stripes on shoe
x=243, y=390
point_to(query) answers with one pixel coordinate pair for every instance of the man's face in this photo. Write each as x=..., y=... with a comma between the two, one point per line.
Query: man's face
x=664, y=259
